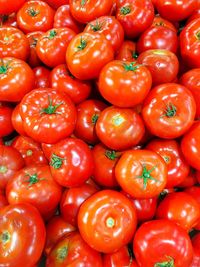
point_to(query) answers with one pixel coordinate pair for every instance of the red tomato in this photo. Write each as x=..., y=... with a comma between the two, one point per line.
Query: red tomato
x=181, y=208
x=48, y=116
x=124, y=84
x=52, y=45
x=5, y=120
x=88, y=113
x=9, y=6
x=42, y=77
x=8, y=20
x=195, y=15
x=196, y=248
x=169, y=110
x=56, y=3
x=35, y=15
x=63, y=81
x=107, y=221
x=73, y=251
x=116, y=124
x=35, y=185
x=22, y=236
x=162, y=243
x=190, y=180
x=127, y=51
x=17, y=121
x=33, y=59
x=159, y=21
x=190, y=146
x=16, y=79
x=85, y=11
x=11, y=161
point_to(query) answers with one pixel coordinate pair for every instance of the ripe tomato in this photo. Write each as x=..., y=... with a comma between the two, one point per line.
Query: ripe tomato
x=107, y=221
x=159, y=21
x=175, y=247
x=33, y=59
x=196, y=248
x=88, y=113
x=42, y=77
x=35, y=185
x=22, y=235
x=195, y=15
x=85, y=11
x=52, y=45
x=169, y=110
x=17, y=121
x=16, y=79
x=181, y=208
x=82, y=58
x=13, y=43
x=127, y=51
x=72, y=250
x=190, y=180
x=5, y=119
x=35, y=15
x=162, y=64
x=10, y=162
x=48, y=116
x=122, y=124
x=56, y=3
x=124, y=84
x=9, y=6
x=141, y=173
x=63, y=81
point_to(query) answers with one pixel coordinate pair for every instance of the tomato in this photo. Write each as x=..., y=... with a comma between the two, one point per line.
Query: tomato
x=162, y=64
x=8, y=20
x=33, y=59
x=42, y=77
x=190, y=146
x=3, y=201
x=22, y=235
x=56, y=228
x=190, y=45
x=127, y=51
x=16, y=79
x=48, y=116
x=124, y=84
x=158, y=37
x=85, y=11
x=159, y=21
x=17, y=121
x=51, y=46
x=169, y=110
x=10, y=162
x=191, y=80
x=190, y=180
x=135, y=16
x=170, y=151
x=110, y=27
x=175, y=10
x=13, y=43
x=82, y=58
x=35, y=15
x=63, y=81
x=196, y=248
x=5, y=119
x=56, y=3
x=116, y=124
x=35, y=185
x=71, y=162
x=63, y=18
x=30, y=150
x=107, y=221
x=73, y=251
x=175, y=247
x=88, y=113
x=71, y=201
x=9, y=6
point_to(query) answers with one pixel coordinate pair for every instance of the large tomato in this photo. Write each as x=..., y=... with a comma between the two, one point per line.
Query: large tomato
x=9, y=6
x=5, y=119
x=22, y=235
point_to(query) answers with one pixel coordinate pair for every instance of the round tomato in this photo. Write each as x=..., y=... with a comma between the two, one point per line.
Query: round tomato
x=17, y=121
x=5, y=119
x=127, y=51
x=42, y=77
x=9, y=6
x=33, y=59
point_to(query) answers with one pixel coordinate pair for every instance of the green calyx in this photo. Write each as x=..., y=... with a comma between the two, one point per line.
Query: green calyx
x=170, y=110
x=51, y=109
x=95, y=118
x=3, y=169
x=3, y=69
x=56, y=161
x=62, y=253
x=52, y=34
x=5, y=237
x=82, y=44
x=33, y=179
x=125, y=10
x=97, y=26
x=169, y=263
x=111, y=154
x=198, y=35
x=83, y=2
x=131, y=66
x=32, y=12
x=146, y=176
x=166, y=159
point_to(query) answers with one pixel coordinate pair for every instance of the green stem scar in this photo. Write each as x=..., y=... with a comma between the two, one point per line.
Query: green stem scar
x=32, y=12
x=170, y=110
x=125, y=10
x=29, y=152
x=97, y=26
x=131, y=66
x=82, y=44
x=62, y=253
x=95, y=118
x=146, y=175
x=198, y=35
x=83, y=2
x=56, y=161
x=3, y=169
x=52, y=34
x=169, y=263
x=33, y=179
x=5, y=237
x=51, y=109
x=111, y=154
x=110, y=222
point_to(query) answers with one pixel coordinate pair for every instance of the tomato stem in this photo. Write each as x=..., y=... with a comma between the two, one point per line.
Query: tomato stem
x=97, y=26
x=51, y=109
x=170, y=110
x=82, y=45
x=131, y=67
x=5, y=237
x=3, y=169
x=110, y=222
x=29, y=152
x=33, y=179
x=56, y=161
x=32, y=12
x=3, y=69
x=146, y=175
x=95, y=118
x=111, y=154
x=125, y=10
x=83, y=2
x=62, y=253
x=52, y=34
x=169, y=263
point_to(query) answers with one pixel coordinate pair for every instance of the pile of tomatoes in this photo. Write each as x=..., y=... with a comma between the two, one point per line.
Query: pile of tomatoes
x=100, y=133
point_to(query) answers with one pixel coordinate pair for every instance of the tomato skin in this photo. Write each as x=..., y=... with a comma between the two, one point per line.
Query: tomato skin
x=56, y=228
x=73, y=251
x=71, y=201
x=24, y=247
x=34, y=16
x=3, y=201
x=82, y=58
x=16, y=80
x=9, y=6
x=170, y=151
x=160, y=21
x=48, y=116
x=63, y=81
x=169, y=110
x=190, y=180
x=33, y=59
x=195, y=15
x=17, y=121
x=196, y=248
x=190, y=145
x=158, y=37
x=127, y=51
x=56, y=3
x=172, y=240
x=124, y=84
x=162, y=64
x=131, y=169
x=107, y=221
x=42, y=77
x=71, y=162
x=5, y=119
x=190, y=45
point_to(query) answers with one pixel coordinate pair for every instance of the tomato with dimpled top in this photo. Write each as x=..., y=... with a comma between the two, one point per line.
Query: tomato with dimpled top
x=33, y=59
x=127, y=51
x=42, y=77
x=159, y=21
x=5, y=119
